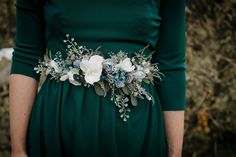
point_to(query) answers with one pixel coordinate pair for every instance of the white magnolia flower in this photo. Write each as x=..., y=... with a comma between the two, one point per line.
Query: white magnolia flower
x=125, y=65
x=92, y=68
x=71, y=74
x=55, y=66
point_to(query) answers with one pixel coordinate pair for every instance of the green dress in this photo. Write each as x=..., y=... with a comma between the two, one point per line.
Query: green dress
x=73, y=121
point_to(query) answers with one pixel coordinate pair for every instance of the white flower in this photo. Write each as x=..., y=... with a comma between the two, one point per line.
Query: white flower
x=125, y=65
x=48, y=71
x=145, y=69
x=64, y=77
x=92, y=68
x=71, y=75
x=146, y=66
x=139, y=75
x=139, y=68
x=55, y=66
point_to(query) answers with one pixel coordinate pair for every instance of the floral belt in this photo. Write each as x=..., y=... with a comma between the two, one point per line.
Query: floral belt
x=119, y=73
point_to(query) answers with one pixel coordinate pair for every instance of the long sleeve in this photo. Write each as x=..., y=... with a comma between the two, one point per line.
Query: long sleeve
x=29, y=43
x=170, y=55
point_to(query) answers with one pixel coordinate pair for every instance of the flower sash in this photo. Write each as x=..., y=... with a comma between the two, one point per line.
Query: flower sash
x=118, y=73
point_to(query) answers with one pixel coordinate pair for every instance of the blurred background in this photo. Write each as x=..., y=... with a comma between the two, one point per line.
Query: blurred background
x=210, y=123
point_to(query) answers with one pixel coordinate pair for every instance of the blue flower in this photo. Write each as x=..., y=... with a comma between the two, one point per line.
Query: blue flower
x=128, y=79
x=76, y=63
x=108, y=65
x=108, y=68
x=119, y=84
x=120, y=78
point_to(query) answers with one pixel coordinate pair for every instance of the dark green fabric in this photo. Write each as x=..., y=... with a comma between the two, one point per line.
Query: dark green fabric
x=72, y=121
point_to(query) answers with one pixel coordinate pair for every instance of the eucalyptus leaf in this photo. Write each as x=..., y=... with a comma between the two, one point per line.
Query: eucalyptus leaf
x=146, y=81
x=126, y=90
x=106, y=86
x=101, y=83
x=99, y=90
x=133, y=100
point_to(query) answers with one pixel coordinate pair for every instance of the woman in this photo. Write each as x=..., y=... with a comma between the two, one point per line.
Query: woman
x=68, y=120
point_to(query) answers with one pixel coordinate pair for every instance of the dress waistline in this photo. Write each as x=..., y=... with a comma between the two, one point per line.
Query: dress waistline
x=121, y=74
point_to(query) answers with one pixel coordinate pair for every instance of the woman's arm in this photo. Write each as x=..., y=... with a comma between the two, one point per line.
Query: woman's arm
x=170, y=55
x=28, y=49
x=22, y=92
x=174, y=124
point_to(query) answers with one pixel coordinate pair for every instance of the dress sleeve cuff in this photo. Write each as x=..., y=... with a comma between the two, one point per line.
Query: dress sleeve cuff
x=19, y=67
x=172, y=90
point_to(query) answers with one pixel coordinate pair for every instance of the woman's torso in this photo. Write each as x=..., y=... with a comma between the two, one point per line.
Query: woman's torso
x=112, y=24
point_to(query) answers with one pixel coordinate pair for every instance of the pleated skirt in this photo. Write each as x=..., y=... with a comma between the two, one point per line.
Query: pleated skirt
x=73, y=121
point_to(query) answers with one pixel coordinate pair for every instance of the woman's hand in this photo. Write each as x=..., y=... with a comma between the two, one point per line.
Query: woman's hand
x=19, y=154
x=172, y=154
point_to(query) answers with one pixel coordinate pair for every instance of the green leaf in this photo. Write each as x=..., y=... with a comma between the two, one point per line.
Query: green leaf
x=126, y=90
x=133, y=100
x=106, y=86
x=99, y=90
x=146, y=81
x=101, y=83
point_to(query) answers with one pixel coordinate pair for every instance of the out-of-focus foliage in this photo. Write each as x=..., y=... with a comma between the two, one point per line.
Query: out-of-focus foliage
x=7, y=22
x=7, y=29
x=211, y=78
x=210, y=123
x=4, y=114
